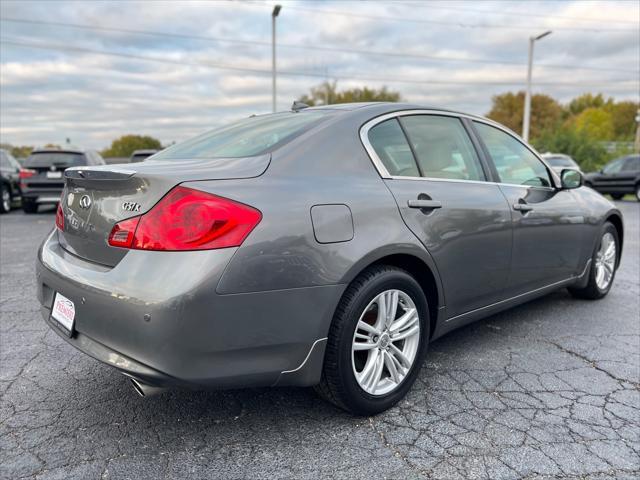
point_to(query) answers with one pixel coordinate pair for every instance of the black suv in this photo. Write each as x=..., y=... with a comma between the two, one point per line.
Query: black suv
x=617, y=178
x=9, y=181
x=41, y=180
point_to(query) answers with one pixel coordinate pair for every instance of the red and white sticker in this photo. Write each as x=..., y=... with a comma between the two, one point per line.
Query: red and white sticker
x=63, y=311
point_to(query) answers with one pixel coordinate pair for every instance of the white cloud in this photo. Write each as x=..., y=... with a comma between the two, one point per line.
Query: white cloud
x=48, y=95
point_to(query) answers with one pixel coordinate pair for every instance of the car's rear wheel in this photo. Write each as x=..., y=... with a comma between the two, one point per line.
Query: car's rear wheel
x=638, y=191
x=617, y=196
x=377, y=341
x=603, y=265
x=5, y=199
x=29, y=206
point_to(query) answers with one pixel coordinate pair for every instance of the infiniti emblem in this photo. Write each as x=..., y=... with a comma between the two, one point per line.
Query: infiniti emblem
x=85, y=202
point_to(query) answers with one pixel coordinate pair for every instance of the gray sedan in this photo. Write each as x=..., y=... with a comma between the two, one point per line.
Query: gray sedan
x=319, y=247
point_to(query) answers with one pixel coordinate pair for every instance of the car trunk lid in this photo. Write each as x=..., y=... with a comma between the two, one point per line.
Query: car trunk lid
x=96, y=198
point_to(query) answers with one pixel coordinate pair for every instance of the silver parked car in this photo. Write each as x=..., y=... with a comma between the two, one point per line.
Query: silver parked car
x=141, y=155
x=560, y=161
x=323, y=246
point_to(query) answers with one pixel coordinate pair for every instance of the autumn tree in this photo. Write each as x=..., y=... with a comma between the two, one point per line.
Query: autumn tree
x=327, y=93
x=597, y=123
x=508, y=109
x=623, y=117
x=22, y=151
x=127, y=144
x=588, y=100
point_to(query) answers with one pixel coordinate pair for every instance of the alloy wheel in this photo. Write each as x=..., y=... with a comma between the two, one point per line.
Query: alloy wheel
x=605, y=261
x=6, y=200
x=385, y=342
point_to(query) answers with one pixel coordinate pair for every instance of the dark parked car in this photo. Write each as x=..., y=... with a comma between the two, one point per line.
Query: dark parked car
x=9, y=181
x=41, y=179
x=141, y=155
x=326, y=246
x=618, y=177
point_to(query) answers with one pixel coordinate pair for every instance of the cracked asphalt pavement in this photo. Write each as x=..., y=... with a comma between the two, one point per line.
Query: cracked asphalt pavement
x=548, y=389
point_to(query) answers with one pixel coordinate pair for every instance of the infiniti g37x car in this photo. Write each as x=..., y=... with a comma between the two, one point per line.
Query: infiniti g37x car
x=322, y=246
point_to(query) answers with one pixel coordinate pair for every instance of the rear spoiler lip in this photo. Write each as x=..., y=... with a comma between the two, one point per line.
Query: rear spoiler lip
x=93, y=173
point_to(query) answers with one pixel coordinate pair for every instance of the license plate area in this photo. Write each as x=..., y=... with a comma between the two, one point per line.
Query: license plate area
x=54, y=174
x=63, y=313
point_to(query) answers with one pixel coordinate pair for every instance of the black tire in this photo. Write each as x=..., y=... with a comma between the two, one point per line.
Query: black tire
x=591, y=291
x=29, y=206
x=617, y=196
x=637, y=190
x=5, y=199
x=338, y=384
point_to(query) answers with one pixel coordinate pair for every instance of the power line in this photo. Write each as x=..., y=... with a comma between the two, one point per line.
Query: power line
x=392, y=18
x=431, y=6
x=260, y=71
x=325, y=48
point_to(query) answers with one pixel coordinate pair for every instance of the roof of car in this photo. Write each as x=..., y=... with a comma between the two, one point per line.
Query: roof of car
x=143, y=151
x=388, y=107
x=58, y=150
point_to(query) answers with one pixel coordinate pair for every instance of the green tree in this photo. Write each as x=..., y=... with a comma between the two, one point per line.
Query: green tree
x=17, y=151
x=578, y=144
x=588, y=100
x=327, y=93
x=623, y=116
x=125, y=145
x=508, y=109
x=596, y=122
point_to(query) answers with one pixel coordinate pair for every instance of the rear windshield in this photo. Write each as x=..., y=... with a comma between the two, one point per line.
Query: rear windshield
x=140, y=157
x=248, y=137
x=560, y=162
x=47, y=159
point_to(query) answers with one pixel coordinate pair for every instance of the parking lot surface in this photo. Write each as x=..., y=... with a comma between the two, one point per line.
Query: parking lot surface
x=548, y=389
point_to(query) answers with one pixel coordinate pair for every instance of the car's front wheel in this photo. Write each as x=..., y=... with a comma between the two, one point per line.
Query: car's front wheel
x=617, y=196
x=5, y=199
x=603, y=265
x=377, y=341
x=638, y=191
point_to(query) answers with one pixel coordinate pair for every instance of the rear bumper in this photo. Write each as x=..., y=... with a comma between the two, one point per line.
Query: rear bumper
x=42, y=196
x=157, y=317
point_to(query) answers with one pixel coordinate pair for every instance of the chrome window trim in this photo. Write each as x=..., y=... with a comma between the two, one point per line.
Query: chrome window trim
x=384, y=173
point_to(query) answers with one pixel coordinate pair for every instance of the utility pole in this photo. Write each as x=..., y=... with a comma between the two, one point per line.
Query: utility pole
x=527, y=97
x=637, y=142
x=274, y=14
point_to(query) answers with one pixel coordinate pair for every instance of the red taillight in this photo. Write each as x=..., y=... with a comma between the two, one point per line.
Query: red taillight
x=187, y=219
x=60, y=218
x=122, y=233
x=26, y=173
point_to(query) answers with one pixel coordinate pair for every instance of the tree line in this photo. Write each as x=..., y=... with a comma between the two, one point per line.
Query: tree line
x=578, y=128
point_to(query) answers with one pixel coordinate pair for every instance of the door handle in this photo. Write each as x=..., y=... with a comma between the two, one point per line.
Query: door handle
x=427, y=204
x=522, y=207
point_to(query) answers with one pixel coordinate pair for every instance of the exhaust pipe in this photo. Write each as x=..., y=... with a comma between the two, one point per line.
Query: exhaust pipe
x=145, y=390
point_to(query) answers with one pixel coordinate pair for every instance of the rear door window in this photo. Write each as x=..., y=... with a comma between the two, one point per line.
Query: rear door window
x=57, y=159
x=442, y=147
x=392, y=148
x=515, y=163
x=632, y=164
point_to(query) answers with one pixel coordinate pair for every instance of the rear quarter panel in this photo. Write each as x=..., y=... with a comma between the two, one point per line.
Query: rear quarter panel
x=326, y=166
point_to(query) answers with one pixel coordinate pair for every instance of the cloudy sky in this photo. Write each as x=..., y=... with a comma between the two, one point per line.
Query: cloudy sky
x=92, y=71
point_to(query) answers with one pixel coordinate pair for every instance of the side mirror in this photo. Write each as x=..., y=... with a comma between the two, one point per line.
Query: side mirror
x=570, y=178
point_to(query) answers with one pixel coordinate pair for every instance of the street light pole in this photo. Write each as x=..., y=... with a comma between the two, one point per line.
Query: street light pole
x=274, y=14
x=527, y=97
